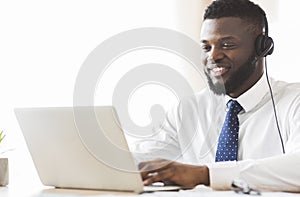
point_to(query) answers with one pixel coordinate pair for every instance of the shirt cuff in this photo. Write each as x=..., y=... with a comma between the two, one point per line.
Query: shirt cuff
x=222, y=174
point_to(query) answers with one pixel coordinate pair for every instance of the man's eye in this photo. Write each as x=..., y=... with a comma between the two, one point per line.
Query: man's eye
x=228, y=45
x=206, y=48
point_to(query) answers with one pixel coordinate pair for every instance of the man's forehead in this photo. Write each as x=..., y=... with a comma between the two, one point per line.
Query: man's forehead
x=225, y=26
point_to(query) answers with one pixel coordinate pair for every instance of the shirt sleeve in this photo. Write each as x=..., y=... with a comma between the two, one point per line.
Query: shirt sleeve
x=275, y=173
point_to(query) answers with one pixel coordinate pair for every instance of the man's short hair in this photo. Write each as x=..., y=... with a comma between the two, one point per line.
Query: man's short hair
x=244, y=9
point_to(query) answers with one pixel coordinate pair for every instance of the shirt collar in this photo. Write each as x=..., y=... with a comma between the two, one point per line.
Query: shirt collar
x=249, y=99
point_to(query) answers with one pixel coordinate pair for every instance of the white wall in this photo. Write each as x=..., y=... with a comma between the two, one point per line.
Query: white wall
x=285, y=32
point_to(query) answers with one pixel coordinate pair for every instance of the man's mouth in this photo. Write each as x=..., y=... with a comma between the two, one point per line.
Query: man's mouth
x=218, y=71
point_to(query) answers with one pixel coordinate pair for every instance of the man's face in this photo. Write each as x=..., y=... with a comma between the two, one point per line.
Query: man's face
x=227, y=54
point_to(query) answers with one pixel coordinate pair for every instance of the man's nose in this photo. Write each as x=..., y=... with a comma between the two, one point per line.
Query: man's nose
x=215, y=54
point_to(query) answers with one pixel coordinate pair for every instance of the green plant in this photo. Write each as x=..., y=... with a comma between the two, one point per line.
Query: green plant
x=2, y=136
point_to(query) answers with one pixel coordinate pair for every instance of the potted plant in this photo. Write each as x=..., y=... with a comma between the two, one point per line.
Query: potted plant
x=3, y=164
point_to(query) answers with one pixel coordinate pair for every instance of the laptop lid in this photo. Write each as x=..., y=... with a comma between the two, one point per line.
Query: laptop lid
x=81, y=147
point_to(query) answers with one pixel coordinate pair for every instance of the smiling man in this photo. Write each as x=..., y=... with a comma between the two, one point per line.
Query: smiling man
x=228, y=52
x=231, y=130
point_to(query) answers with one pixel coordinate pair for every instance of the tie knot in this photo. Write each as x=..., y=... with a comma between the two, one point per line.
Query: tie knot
x=234, y=106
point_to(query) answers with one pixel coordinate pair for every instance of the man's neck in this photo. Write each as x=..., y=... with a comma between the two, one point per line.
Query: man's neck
x=245, y=87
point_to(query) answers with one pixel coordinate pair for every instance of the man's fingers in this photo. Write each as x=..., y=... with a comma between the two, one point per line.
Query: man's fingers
x=164, y=176
x=153, y=166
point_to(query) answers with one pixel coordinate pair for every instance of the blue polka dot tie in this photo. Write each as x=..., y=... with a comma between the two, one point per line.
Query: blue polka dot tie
x=228, y=140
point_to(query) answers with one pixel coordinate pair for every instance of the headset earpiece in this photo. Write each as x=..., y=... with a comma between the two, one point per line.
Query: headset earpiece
x=264, y=45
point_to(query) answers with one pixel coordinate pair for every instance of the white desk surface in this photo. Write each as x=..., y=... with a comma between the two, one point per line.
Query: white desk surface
x=38, y=190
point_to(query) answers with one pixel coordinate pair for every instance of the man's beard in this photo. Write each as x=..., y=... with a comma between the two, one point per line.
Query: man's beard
x=234, y=81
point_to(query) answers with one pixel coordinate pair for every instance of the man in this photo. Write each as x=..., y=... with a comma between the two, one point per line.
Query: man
x=198, y=146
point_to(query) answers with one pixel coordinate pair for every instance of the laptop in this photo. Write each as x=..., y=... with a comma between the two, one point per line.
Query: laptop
x=81, y=148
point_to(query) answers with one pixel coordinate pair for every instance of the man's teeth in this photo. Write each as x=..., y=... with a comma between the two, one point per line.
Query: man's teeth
x=218, y=69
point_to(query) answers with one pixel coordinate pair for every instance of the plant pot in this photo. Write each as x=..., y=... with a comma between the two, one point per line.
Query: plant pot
x=3, y=171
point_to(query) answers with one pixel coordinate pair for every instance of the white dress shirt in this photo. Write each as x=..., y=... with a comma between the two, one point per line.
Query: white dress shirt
x=191, y=130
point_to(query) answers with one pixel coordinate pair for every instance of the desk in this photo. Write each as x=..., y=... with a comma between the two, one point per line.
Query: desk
x=43, y=191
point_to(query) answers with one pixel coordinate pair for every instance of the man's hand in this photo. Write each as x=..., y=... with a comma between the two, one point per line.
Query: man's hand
x=173, y=173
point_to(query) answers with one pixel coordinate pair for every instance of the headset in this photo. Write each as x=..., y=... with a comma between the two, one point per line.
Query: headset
x=264, y=45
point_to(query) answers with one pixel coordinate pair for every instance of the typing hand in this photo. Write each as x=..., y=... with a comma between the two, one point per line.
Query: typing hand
x=173, y=173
